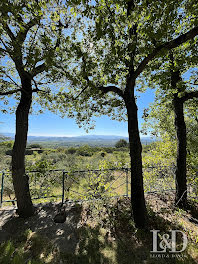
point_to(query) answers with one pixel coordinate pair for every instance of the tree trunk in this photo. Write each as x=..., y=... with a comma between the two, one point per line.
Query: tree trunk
x=137, y=189
x=181, y=182
x=20, y=179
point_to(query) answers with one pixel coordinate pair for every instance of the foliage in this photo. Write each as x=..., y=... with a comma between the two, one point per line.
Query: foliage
x=41, y=181
x=71, y=150
x=113, y=41
x=122, y=143
x=28, y=250
x=85, y=151
x=35, y=145
x=5, y=161
x=6, y=144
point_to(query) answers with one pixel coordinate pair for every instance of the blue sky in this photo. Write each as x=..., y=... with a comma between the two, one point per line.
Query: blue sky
x=49, y=124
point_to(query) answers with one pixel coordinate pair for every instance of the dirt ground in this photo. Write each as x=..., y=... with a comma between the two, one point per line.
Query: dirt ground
x=66, y=236
x=63, y=235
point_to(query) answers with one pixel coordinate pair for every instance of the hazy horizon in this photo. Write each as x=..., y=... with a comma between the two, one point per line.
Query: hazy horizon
x=79, y=135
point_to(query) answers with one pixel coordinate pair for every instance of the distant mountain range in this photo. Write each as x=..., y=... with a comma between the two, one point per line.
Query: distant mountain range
x=92, y=140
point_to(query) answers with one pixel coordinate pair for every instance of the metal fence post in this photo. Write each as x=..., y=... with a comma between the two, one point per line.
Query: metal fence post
x=63, y=188
x=2, y=182
x=127, y=183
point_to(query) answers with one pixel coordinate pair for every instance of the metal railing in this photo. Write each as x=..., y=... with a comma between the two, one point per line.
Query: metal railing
x=67, y=185
x=88, y=184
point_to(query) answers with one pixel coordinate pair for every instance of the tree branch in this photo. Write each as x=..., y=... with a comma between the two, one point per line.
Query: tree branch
x=3, y=50
x=82, y=91
x=21, y=36
x=36, y=90
x=39, y=69
x=167, y=46
x=10, y=92
x=193, y=83
x=111, y=88
x=20, y=90
x=6, y=49
x=31, y=45
x=104, y=89
x=190, y=95
x=9, y=32
x=8, y=76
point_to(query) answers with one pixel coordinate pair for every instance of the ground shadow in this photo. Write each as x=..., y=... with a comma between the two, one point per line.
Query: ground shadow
x=62, y=234
x=113, y=240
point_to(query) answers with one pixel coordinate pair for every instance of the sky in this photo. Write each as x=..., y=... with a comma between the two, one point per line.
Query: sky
x=49, y=124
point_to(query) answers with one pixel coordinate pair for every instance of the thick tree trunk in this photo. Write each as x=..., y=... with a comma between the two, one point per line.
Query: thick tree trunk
x=137, y=189
x=20, y=179
x=181, y=182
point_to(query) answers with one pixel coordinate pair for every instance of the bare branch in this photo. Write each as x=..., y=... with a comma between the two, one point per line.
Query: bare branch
x=166, y=46
x=37, y=90
x=104, y=89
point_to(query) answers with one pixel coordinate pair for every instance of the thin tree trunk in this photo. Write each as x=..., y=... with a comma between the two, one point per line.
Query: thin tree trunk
x=181, y=182
x=137, y=189
x=20, y=179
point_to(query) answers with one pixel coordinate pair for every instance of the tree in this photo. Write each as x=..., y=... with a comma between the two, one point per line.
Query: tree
x=30, y=39
x=122, y=143
x=174, y=91
x=180, y=126
x=119, y=41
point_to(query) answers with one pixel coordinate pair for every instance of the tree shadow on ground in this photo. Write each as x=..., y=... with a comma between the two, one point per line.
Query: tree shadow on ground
x=113, y=240
x=44, y=230
x=138, y=244
x=117, y=241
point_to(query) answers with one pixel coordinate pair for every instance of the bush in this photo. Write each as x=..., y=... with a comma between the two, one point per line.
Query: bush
x=122, y=143
x=35, y=145
x=108, y=149
x=71, y=150
x=85, y=151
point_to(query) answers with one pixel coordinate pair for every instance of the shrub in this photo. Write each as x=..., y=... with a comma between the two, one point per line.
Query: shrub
x=122, y=143
x=35, y=145
x=108, y=149
x=71, y=150
x=85, y=151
